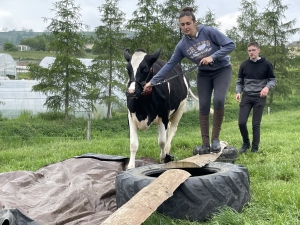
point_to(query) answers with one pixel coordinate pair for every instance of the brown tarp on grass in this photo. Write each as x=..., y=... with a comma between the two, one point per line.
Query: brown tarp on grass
x=75, y=191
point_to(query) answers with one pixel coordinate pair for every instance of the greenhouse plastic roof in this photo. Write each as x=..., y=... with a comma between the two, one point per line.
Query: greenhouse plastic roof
x=48, y=61
x=17, y=97
x=7, y=65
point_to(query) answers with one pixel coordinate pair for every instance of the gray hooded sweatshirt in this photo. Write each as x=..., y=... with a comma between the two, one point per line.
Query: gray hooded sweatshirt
x=208, y=42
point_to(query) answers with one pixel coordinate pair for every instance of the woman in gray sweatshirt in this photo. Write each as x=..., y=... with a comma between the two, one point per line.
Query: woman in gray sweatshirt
x=208, y=48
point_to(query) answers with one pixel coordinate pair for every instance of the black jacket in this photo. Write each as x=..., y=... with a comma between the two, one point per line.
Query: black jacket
x=254, y=76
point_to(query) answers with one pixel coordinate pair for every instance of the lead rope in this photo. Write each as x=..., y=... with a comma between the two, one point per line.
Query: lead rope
x=170, y=78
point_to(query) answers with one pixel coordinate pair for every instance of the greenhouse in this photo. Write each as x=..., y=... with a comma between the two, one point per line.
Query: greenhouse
x=17, y=96
x=48, y=61
x=7, y=66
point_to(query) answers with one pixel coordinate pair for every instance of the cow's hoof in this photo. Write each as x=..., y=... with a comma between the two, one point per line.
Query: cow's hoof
x=168, y=158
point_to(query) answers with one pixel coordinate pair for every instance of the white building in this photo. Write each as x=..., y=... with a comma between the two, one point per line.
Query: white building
x=23, y=48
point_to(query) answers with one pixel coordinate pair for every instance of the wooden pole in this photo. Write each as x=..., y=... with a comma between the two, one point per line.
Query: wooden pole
x=147, y=200
x=88, y=128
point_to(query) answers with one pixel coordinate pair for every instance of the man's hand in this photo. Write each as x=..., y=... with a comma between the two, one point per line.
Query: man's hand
x=147, y=86
x=264, y=92
x=237, y=97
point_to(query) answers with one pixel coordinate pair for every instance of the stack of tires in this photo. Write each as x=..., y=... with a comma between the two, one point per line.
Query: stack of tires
x=210, y=187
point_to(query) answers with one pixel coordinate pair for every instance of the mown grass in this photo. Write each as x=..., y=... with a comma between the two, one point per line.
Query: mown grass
x=274, y=171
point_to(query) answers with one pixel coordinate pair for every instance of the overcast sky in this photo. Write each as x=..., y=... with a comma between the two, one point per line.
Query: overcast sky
x=19, y=15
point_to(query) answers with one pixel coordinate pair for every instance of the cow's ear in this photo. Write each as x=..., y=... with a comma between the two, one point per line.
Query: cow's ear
x=157, y=53
x=155, y=56
x=127, y=55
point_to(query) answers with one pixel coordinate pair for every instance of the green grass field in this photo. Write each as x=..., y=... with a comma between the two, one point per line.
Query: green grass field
x=274, y=171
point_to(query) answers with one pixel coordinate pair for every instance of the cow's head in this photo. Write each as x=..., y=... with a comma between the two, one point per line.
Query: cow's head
x=140, y=71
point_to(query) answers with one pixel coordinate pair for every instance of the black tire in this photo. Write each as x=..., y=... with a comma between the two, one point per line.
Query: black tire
x=210, y=187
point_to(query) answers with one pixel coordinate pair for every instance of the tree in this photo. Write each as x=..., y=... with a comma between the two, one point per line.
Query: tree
x=276, y=34
x=170, y=23
x=142, y=23
x=209, y=19
x=247, y=29
x=268, y=29
x=110, y=59
x=67, y=83
x=37, y=43
x=9, y=47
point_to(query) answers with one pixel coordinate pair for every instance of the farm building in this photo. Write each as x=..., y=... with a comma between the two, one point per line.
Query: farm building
x=23, y=48
x=7, y=66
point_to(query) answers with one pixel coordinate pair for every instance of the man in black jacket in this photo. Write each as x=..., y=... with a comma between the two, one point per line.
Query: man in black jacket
x=255, y=79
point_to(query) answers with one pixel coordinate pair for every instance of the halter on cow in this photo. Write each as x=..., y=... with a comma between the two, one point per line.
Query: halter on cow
x=163, y=105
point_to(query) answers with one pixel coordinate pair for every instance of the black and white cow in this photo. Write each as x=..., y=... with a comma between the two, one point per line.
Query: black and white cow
x=163, y=105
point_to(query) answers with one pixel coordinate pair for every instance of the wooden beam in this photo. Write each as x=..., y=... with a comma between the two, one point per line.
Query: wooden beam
x=147, y=200
x=197, y=160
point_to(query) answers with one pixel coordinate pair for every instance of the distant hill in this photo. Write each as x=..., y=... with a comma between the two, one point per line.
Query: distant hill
x=16, y=36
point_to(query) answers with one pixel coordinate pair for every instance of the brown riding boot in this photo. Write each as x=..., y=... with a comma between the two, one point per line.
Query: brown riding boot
x=217, y=123
x=204, y=127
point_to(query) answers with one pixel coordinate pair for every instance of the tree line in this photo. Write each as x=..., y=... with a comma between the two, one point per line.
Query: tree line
x=69, y=84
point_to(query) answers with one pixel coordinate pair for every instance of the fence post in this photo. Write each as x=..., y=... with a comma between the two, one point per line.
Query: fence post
x=89, y=128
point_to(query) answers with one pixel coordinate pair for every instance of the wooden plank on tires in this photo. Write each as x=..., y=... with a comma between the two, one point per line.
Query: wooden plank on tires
x=197, y=160
x=147, y=200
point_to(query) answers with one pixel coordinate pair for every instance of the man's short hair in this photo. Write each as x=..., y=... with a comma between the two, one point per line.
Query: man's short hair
x=253, y=43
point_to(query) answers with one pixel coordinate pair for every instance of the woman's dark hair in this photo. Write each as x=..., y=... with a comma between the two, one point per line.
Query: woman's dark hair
x=187, y=11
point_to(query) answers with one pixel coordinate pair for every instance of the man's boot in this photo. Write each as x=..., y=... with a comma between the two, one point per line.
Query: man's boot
x=217, y=123
x=204, y=127
x=245, y=147
x=254, y=150
x=245, y=136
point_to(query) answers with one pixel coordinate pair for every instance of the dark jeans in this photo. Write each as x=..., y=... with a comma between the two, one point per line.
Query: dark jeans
x=209, y=81
x=257, y=104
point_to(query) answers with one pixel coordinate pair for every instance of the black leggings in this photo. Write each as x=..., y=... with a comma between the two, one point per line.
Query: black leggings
x=209, y=81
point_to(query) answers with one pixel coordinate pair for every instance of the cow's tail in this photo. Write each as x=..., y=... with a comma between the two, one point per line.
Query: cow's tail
x=197, y=99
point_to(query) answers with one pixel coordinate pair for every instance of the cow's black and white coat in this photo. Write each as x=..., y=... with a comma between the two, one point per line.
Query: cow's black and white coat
x=163, y=105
